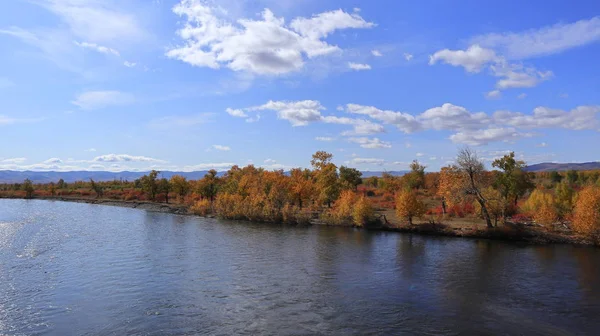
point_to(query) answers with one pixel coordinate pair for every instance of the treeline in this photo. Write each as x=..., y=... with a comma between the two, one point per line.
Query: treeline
x=339, y=196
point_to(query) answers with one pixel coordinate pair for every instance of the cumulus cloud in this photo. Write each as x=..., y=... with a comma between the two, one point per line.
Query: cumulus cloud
x=376, y=53
x=518, y=76
x=92, y=100
x=373, y=143
x=408, y=57
x=221, y=148
x=298, y=113
x=543, y=41
x=453, y=117
x=358, y=66
x=473, y=59
x=53, y=161
x=484, y=137
x=130, y=64
x=236, y=113
x=495, y=94
x=360, y=126
x=207, y=166
x=580, y=118
x=324, y=139
x=266, y=46
x=404, y=121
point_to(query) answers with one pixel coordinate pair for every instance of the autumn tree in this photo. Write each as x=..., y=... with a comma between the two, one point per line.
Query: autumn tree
x=363, y=212
x=555, y=177
x=52, y=188
x=450, y=187
x=326, y=175
x=180, y=185
x=28, y=188
x=149, y=184
x=473, y=170
x=572, y=176
x=209, y=185
x=61, y=184
x=408, y=205
x=301, y=186
x=565, y=197
x=350, y=178
x=587, y=211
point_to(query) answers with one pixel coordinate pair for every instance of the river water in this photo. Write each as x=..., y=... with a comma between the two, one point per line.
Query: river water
x=81, y=269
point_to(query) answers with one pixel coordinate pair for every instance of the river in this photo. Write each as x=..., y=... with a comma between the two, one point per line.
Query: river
x=82, y=269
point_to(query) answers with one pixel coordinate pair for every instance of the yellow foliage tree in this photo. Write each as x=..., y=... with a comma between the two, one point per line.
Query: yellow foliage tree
x=587, y=211
x=363, y=212
x=409, y=206
x=542, y=206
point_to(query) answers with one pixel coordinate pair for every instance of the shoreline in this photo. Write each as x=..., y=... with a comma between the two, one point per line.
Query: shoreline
x=510, y=233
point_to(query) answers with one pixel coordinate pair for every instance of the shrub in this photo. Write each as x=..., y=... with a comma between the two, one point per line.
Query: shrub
x=587, y=211
x=201, y=208
x=363, y=212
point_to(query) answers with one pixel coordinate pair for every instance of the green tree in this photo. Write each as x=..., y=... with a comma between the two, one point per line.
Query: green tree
x=61, y=184
x=350, y=178
x=512, y=181
x=572, y=176
x=180, y=185
x=415, y=179
x=555, y=177
x=208, y=187
x=149, y=184
x=164, y=187
x=97, y=189
x=28, y=188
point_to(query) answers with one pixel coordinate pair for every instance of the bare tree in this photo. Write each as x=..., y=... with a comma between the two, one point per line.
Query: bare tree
x=471, y=166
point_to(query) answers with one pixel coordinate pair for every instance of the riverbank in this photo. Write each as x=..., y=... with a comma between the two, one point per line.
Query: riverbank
x=462, y=229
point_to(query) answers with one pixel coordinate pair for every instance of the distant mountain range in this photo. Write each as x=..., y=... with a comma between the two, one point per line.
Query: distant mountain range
x=11, y=176
x=549, y=166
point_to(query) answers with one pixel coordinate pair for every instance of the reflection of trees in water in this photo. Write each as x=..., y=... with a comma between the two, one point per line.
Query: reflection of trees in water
x=411, y=256
x=588, y=266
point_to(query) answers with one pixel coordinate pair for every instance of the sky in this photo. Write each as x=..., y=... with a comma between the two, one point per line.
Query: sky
x=187, y=85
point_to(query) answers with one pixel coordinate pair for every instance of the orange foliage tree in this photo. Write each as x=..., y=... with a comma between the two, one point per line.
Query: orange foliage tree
x=587, y=211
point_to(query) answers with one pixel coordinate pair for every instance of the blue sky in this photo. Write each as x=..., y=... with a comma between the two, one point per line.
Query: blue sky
x=195, y=84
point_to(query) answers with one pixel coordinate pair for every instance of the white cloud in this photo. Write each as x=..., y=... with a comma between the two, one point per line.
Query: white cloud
x=270, y=161
x=543, y=41
x=358, y=66
x=130, y=64
x=518, y=76
x=360, y=126
x=14, y=160
x=408, y=57
x=374, y=143
x=266, y=46
x=367, y=161
x=236, y=113
x=543, y=144
x=522, y=96
x=208, y=166
x=324, y=139
x=125, y=158
x=580, y=118
x=404, y=121
x=221, y=148
x=90, y=150
x=493, y=94
x=453, y=117
x=53, y=161
x=92, y=100
x=98, y=48
x=484, y=137
x=97, y=21
x=298, y=113
x=376, y=53
x=473, y=59
x=420, y=154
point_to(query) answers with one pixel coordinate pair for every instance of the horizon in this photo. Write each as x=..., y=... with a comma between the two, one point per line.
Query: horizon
x=115, y=87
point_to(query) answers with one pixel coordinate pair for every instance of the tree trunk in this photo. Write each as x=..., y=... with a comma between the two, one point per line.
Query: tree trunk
x=485, y=212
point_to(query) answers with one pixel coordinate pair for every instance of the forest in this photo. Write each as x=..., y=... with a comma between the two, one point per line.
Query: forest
x=461, y=197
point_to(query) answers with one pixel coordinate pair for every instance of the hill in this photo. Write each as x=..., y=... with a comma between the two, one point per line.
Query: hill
x=549, y=166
